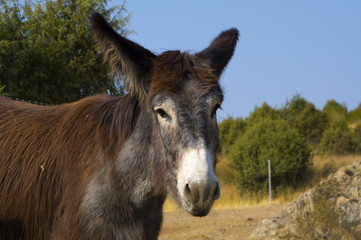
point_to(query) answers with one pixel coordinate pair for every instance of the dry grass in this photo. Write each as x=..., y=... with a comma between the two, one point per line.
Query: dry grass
x=321, y=166
x=230, y=198
x=319, y=162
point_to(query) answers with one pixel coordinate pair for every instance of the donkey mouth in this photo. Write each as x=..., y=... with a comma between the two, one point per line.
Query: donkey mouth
x=198, y=209
x=199, y=212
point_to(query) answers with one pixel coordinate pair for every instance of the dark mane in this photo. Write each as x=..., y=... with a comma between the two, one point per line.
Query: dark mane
x=172, y=68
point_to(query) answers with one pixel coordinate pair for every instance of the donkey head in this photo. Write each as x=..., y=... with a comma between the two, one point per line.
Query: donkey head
x=182, y=94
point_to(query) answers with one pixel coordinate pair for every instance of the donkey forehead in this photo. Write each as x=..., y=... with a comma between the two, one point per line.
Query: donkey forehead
x=190, y=94
x=175, y=72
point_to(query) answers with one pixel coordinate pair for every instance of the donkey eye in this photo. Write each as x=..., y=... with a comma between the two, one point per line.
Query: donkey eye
x=216, y=107
x=162, y=113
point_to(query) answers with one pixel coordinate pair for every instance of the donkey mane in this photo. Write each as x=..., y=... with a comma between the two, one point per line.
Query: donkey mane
x=80, y=130
x=172, y=68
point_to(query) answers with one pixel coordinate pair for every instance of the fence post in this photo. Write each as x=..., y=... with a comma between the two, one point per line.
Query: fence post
x=269, y=182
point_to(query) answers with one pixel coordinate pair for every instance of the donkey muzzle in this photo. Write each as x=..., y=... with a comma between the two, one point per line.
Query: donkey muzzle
x=197, y=184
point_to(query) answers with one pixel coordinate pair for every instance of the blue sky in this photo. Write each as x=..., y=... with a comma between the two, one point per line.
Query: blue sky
x=308, y=47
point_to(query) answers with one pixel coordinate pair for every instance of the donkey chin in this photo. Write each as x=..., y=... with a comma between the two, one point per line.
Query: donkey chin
x=197, y=184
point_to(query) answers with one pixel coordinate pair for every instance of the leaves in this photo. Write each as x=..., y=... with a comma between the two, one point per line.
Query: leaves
x=271, y=140
x=47, y=52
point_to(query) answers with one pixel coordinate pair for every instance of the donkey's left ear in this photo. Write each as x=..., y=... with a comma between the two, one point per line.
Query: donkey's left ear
x=221, y=50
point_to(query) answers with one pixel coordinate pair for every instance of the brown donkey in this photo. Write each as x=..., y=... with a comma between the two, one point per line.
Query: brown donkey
x=101, y=167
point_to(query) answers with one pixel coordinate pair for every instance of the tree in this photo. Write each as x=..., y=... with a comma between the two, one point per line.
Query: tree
x=294, y=107
x=311, y=123
x=47, y=50
x=335, y=111
x=304, y=116
x=229, y=130
x=263, y=112
x=271, y=140
x=354, y=116
x=338, y=139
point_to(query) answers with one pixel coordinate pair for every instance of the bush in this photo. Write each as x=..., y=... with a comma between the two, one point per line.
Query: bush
x=338, y=139
x=309, y=121
x=323, y=222
x=263, y=112
x=274, y=140
x=357, y=133
x=229, y=130
x=335, y=111
x=355, y=115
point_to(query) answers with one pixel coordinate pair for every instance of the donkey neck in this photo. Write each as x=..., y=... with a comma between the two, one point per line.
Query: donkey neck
x=126, y=189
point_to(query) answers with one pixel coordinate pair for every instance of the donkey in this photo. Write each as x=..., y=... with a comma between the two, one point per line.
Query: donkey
x=101, y=167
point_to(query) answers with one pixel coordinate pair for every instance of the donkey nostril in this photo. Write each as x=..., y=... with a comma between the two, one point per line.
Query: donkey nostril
x=187, y=189
x=217, y=192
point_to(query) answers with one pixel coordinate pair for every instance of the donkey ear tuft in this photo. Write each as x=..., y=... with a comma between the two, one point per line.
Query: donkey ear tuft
x=221, y=50
x=124, y=56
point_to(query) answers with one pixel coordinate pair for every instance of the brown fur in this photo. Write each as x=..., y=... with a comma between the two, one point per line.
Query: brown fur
x=39, y=144
x=172, y=68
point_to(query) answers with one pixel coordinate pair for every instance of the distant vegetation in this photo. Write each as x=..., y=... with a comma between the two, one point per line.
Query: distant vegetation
x=290, y=137
x=47, y=50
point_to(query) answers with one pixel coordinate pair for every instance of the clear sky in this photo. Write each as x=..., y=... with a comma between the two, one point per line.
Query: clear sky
x=306, y=47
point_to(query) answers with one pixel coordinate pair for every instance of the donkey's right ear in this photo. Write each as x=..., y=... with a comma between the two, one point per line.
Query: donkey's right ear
x=123, y=55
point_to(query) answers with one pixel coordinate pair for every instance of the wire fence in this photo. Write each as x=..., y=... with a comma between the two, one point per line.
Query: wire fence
x=27, y=101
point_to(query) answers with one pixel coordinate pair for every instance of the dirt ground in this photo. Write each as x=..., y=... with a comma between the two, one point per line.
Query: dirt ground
x=220, y=224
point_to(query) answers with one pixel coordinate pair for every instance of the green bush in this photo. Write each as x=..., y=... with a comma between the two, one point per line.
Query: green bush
x=355, y=115
x=335, y=111
x=263, y=112
x=274, y=140
x=357, y=133
x=338, y=139
x=229, y=130
x=309, y=121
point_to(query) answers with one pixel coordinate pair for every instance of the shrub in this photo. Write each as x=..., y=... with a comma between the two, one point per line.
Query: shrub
x=229, y=130
x=335, y=111
x=263, y=112
x=357, y=133
x=323, y=222
x=274, y=140
x=338, y=139
x=309, y=121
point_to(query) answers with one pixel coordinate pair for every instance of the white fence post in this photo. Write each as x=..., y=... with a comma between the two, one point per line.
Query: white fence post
x=269, y=182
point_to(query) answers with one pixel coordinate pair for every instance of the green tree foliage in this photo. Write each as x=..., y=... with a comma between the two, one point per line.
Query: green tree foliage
x=285, y=136
x=311, y=123
x=269, y=139
x=294, y=107
x=357, y=133
x=263, y=112
x=354, y=116
x=338, y=139
x=303, y=116
x=335, y=111
x=229, y=130
x=47, y=50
